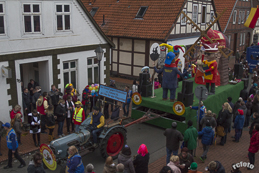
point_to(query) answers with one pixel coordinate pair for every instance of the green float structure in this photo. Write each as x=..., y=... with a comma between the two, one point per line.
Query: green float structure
x=158, y=106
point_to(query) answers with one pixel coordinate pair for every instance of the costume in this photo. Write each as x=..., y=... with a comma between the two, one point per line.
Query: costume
x=170, y=72
x=210, y=66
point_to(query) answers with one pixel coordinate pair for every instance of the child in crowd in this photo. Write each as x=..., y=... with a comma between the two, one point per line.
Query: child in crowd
x=239, y=124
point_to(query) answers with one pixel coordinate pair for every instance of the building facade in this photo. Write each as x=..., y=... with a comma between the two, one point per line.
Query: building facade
x=142, y=23
x=52, y=42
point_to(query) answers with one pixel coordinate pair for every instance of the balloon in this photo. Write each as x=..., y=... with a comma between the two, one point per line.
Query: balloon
x=97, y=87
x=95, y=84
x=92, y=94
x=96, y=90
x=93, y=91
x=92, y=85
x=90, y=88
x=93, y=88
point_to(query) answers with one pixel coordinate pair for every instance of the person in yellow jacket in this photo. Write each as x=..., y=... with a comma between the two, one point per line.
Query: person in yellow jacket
x=79, y=116
x=96, y=124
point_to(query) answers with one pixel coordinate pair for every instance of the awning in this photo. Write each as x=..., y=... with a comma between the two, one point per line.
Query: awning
x=185, y=41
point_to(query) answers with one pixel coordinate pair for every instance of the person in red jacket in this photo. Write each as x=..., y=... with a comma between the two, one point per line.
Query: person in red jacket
x=15, y=110
x=254, y=146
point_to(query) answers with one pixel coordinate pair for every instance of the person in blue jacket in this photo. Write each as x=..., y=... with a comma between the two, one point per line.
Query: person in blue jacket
x=129, y=95
x=74, y=161
x=12, y=145
x=170, y=72
x=202, y=113
x=207, y=135
x=239, y=124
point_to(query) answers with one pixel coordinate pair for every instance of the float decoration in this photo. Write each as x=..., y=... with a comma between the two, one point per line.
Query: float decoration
x=49, y=158
x=136, y=98
x=92, y=89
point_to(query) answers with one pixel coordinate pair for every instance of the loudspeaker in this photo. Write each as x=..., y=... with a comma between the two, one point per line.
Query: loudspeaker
x=145, y=90
x=144, y=79
x=187, y=86
x=238, y=71
x=186, y=99
x=245, y=82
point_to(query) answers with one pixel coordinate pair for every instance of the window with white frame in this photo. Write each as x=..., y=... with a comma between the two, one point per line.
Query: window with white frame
x=183, y=19
x=70, y=72
x=32, y=18
x=93, y=70
x=195, y=13
x=239, y=17
x=203, y=14
x=244, y=39
x=247, y=14
x=243, y=17
x=2, y=21
x=241, y=37
x=235, y=17
x=211, y=16
x=63, y=13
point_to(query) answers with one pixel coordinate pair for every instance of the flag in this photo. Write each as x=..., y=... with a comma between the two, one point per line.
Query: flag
x=252, y=18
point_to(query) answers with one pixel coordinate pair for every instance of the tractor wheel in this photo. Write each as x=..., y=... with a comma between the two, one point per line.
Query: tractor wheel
x=112, y=144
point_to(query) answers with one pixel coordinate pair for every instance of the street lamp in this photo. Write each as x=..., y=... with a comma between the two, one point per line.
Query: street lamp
x=99, y=55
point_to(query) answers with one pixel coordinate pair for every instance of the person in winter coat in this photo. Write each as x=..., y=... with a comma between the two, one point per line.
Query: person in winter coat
x=243, y=107
x=54, y=95
x=254, y=146
x=255, y=107
x=68, y=92
x=236, y=107
x=253, y=89
x=61, y=115
x=141, y=160
x=166, y=169
x=35, y=127
x=208, y=118
x=18, y=127
x=190, y=137
x=32, y=85
x=173, y=137
x=202, y=113
x=185, y=160
x=125, y=158
x=207, y=135
x=74, y=161
x=15, y=110
x=174, y=163
x=110, y=166
x=229, y=99
x=120, y=168
x=26, y=101
x=12, y=145
x=238, y=125
x=85, y=98
x=224, y=120
x=36, y=95
x=254, y=123
x=42, y=105
x=70, y=109
x=36, y=166
x=50, y=122
x=215, y=167
x=249, y=112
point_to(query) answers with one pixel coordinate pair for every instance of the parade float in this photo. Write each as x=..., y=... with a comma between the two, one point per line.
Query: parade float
x=213, y=71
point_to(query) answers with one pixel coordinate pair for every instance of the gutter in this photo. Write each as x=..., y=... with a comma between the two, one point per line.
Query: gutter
x=230, y=16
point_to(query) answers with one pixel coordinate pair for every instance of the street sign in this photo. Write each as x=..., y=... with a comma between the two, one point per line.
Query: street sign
x=201, y=92
x=154, y=51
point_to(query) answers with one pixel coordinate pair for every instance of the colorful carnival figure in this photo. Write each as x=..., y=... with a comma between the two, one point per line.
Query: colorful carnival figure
x=210, y=66
x=170, y=72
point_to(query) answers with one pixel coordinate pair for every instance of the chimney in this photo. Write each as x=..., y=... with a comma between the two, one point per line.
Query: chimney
x=103, y=20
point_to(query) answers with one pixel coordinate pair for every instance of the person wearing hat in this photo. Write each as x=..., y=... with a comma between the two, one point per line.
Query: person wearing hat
x=12, y=145
x=208, y=118
x=239, y=124
x=190, y=137
x=125, y=158
x=96, y=124
x=173, y=137
x=210, y=68
x=193, y=168
x=69, y=92
x=215, y=167
x=252, y=90
x=79, y=116
x=170, y=76
x=202, y=113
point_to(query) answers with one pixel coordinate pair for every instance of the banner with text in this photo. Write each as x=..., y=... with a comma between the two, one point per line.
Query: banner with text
x=113, y=93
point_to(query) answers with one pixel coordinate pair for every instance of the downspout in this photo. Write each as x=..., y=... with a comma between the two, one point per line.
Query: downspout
x=230, y=16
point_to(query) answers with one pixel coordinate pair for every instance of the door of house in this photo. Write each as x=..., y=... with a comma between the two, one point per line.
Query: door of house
x=235, y=43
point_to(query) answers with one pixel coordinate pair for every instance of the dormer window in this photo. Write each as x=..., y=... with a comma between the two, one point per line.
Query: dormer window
x=141, y=12
x=93, y=11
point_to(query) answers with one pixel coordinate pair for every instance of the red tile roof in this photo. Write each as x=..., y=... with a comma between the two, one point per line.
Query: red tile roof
x=120, y=18
x=220, y=6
